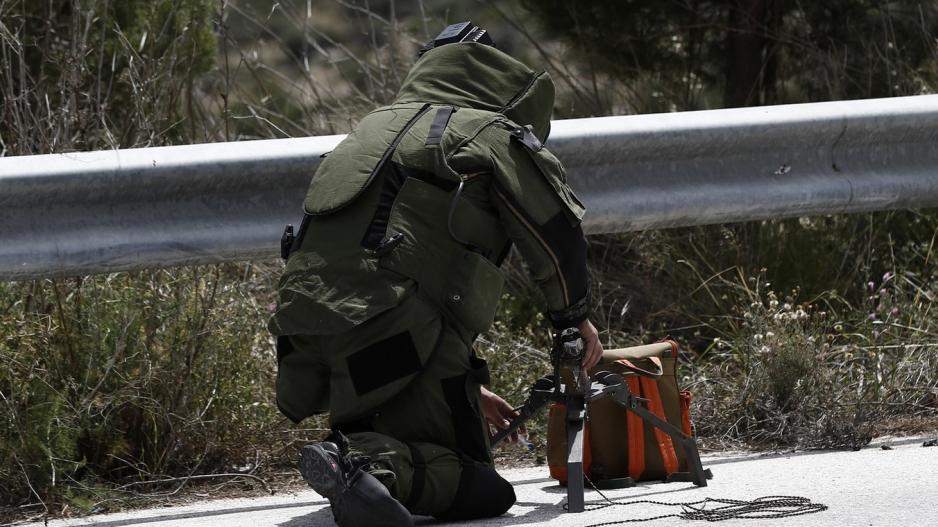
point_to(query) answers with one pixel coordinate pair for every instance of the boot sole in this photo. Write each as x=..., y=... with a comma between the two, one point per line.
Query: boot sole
x=320, y=471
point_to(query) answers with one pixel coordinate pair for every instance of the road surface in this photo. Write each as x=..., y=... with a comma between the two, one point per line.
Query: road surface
x=870, y=487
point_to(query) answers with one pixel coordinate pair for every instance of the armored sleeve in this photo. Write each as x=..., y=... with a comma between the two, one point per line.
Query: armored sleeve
x=542, y=217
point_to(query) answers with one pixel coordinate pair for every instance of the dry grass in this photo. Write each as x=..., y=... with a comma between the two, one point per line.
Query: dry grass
x=780, y=350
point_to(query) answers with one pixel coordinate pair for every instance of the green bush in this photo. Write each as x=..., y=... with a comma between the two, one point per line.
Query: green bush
x=133, y=376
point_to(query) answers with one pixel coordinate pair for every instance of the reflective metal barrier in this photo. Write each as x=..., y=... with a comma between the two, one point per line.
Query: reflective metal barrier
x=94, y=212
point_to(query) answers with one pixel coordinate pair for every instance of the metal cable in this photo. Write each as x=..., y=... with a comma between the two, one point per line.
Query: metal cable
x=725, y=509
x=452, y=212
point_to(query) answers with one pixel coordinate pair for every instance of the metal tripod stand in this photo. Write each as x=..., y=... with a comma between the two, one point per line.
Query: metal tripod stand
x=567, y=354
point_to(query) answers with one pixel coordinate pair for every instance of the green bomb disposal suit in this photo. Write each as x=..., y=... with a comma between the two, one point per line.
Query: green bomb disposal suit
x=395, y=271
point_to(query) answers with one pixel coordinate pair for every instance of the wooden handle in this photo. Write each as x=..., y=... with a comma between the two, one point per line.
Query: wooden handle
x=658, y=349
x=658, y=371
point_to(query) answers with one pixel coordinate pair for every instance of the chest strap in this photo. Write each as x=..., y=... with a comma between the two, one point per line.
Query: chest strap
x=376, y=240
x=440, y=120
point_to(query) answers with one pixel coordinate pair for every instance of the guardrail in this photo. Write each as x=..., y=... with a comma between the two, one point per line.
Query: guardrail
x=96, y=212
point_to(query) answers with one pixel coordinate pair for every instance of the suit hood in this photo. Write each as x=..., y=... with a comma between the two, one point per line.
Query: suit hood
x=472, y=75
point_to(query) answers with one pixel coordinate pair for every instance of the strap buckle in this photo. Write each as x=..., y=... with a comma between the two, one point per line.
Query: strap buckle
x=286, y=241
x=387, y=245
x=525, y=135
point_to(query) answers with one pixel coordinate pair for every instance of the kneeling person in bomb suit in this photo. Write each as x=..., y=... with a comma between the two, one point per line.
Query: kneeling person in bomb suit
x=395, y=270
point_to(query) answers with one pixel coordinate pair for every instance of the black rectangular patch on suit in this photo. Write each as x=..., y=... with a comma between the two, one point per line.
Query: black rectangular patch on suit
x=383, y=362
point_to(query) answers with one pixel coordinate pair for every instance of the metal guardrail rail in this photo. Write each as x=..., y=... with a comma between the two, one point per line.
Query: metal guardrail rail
x=95, y=212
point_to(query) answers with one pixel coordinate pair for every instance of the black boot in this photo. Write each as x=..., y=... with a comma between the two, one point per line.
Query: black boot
x=358, y=499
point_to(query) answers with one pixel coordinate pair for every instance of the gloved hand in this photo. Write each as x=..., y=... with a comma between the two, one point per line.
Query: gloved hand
x=498, y=413
x=594, y=349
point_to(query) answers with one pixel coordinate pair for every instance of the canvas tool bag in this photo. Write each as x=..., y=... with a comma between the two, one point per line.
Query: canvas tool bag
x=618, y=443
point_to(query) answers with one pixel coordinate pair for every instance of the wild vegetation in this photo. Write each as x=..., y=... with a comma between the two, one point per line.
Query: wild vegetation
x=806, y=332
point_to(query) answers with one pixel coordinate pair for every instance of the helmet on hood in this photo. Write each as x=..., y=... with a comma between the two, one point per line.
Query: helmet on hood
x=461, y=32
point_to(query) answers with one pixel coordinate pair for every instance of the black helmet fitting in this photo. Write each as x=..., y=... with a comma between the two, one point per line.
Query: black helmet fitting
x=461, y=32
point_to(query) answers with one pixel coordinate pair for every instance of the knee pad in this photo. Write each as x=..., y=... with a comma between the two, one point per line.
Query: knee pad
x=482, y=493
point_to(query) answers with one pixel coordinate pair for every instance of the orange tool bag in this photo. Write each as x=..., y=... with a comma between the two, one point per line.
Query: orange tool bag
x=618, y=443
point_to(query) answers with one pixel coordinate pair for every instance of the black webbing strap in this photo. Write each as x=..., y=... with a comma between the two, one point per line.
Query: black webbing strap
x=419, y=479
x=439, y=125
x=374, y=240
x=399, y=137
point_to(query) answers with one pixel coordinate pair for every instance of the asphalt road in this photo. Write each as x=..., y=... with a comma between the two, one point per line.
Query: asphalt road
x=870, y=487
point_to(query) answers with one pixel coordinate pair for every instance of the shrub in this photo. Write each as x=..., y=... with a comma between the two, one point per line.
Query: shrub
x=133, y=376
